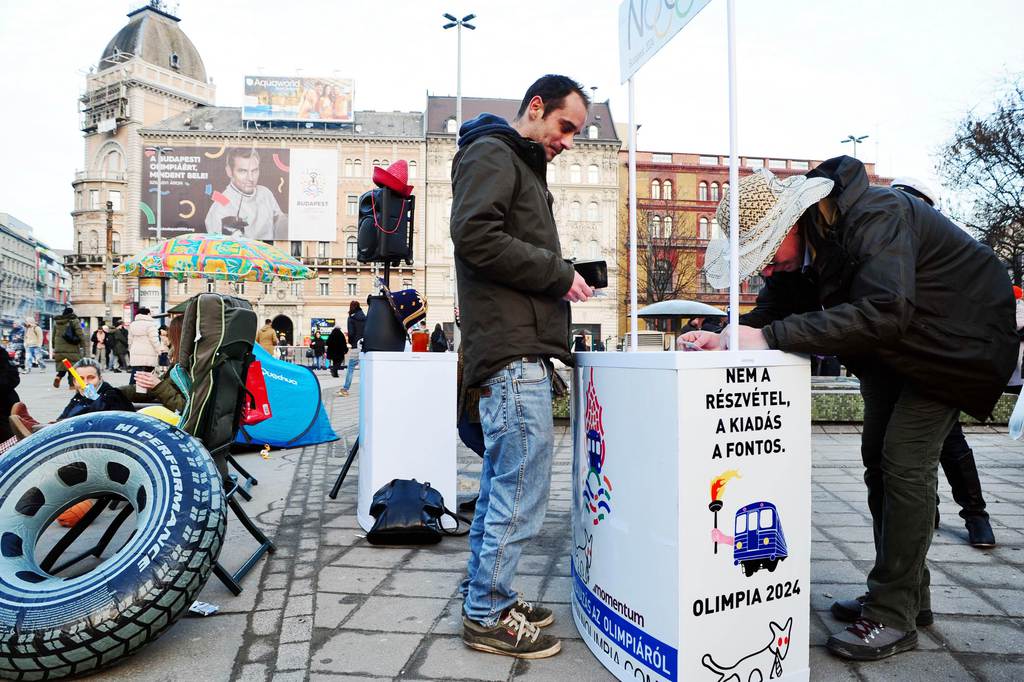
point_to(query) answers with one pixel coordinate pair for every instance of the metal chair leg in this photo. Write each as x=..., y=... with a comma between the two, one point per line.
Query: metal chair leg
x=344, y=470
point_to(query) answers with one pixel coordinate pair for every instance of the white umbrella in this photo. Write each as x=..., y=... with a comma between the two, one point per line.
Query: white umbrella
x=671, y=309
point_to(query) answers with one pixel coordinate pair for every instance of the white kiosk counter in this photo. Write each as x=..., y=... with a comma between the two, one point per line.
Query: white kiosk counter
x=667, y=448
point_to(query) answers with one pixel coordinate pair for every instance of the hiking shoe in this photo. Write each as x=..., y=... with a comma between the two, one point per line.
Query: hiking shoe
x=512, y=636
x=867, y=640
x=848, y=611
x=979, y=532
x=536, y=615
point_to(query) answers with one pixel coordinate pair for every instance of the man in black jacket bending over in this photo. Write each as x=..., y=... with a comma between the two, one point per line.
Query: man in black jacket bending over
x=921, y=312
x=514, y=294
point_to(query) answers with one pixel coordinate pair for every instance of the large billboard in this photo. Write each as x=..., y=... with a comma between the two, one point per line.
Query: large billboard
x=261, y=193
x=285, y=98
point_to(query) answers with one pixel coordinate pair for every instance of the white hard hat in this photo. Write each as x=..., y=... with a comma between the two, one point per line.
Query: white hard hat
x=917, y=187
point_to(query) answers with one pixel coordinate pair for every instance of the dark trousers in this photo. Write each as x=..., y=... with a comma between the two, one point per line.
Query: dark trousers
x=957, y=461
x=903, y=434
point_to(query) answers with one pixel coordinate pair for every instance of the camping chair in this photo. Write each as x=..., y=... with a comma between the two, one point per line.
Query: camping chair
x=217, y=338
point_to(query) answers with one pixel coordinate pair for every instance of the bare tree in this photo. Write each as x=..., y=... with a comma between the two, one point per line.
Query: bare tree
x=665, y=259
x=984, y=163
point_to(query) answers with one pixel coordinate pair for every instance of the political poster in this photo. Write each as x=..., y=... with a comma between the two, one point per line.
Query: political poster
x=293, y=98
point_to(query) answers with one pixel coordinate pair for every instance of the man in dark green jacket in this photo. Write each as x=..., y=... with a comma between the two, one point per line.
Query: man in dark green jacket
x=514, y=294
x=67, y=343
x=918, y=309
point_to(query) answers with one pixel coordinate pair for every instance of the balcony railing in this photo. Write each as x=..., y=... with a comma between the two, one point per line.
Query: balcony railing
x=100, y=176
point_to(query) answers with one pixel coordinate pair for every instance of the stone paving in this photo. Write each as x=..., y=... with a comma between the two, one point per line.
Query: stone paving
x=328, y=606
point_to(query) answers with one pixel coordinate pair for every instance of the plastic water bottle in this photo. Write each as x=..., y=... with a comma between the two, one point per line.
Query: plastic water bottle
x=1017, y=418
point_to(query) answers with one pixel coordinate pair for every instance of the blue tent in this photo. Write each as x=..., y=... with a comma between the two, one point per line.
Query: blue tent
x=298, y=416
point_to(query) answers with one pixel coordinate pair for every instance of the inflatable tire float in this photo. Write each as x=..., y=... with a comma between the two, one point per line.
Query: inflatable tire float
x=53, y=627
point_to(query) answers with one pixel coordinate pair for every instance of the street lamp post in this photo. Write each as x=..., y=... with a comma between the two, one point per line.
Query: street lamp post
x=457, y=24
x=854, y=139
x=159, y=152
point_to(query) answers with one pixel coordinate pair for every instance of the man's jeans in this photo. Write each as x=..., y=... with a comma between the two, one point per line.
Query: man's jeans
x=352, y=364
x=515, y=414
x=34, y=354
x=903, y=433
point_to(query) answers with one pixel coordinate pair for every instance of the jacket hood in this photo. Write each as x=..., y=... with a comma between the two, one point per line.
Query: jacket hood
x=850, y=180
x=491, y=125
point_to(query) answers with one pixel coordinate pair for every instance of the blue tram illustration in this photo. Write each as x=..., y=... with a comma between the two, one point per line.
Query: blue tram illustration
x=759, y=541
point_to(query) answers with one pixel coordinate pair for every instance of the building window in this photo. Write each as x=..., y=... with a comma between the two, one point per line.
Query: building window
x=655, y=227
x=412, y=170
x=708, y=161
x=175, y=61
x=78, y=200
x=407, y=284
x=593, y=212
x=575, y=174
x=595, y=249
x=296, y=249
x=351, y=287
x=575, y=209
x=450, y=126
x=376, y=163
x=266, y=290
x=296, y=290
x=211, y=286
x=115, y=242
x=357, y=168
x=702, y=191
x=667, y=227
x=661, y=158
x=593, y=174
x=575, y=248
x=776, y=163
x=94, y=198
x=725, y=188
x=666, y=190
x=240, y=288
x=324, y=288
x=799, y=165
x=323, y=249
x=350, y=247
x=592, y=131
x=352, y=205
x=117, y=285
x=348, y=168
x=716, y=232
x=114, y=197
x=702, y=228
x=655, y=189
x=181, y=288
x=714, y=191
x=94, y=241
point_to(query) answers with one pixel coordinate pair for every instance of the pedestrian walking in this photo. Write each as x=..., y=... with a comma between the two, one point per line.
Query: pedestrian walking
x=319, y=348
x=514, y=293
x=16, y=344
x=356, y=325
x=33, y=345
x=143, y=343
x=119, y=346
x=919, y=310
x=267, y=337
x=68, y=343
x=337, y=348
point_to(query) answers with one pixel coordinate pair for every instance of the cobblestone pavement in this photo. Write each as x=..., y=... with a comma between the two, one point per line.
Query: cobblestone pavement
x=327, y=606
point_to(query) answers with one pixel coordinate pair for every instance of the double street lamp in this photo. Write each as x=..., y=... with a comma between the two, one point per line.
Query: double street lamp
x=854, y=139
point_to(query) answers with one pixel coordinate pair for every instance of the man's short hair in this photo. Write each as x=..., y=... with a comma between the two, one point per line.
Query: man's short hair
x=89, y=362
x=240, y=153
x=143, y=311
x=552, y=89
x=267, y=321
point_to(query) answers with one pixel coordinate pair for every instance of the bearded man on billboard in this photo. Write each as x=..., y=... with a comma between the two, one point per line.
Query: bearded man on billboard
x=246, y=207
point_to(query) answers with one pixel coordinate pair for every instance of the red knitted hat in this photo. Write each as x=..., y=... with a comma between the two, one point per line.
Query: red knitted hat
x=394, y=177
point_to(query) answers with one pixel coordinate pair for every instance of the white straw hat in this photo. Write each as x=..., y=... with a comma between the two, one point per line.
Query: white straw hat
x=768, y=208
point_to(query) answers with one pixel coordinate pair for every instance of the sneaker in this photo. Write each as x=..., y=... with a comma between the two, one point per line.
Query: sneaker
x=848, y=611
x=56, y=382
x=512, y=636
x=537, y=615
x=21, y=410
x=20, y=429
x=867, y=640
x=979, y=532
x=342, y=392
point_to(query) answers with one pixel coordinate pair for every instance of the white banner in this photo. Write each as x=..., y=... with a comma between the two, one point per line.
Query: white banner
x=313, y=195
x=646, y=25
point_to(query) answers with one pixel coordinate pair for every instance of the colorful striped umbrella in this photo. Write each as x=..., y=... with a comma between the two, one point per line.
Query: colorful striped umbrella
x=215, y=256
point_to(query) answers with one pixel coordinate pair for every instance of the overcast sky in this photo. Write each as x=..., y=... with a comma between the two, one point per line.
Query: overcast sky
x=810, y=72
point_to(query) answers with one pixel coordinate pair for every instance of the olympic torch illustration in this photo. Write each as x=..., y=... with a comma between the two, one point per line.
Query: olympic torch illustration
x=717, y=486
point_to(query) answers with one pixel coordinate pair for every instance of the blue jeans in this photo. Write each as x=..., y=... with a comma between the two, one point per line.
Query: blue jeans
x=32, y=354
x=352, y=364
x=515, y=414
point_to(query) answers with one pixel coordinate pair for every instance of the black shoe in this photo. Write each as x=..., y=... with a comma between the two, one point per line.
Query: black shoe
x=513, y=635
x=469, y=505
x=867, y=640
x=848, y=611
x=979, y=532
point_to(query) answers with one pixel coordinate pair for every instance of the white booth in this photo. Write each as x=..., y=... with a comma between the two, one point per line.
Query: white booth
x=407, y=404
x=691, y=513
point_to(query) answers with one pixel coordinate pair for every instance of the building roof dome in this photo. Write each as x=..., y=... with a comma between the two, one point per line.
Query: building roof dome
x=153, y=35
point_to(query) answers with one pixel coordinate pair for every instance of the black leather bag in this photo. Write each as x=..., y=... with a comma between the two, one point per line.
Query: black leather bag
x=407, y=512
x=594, y=272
